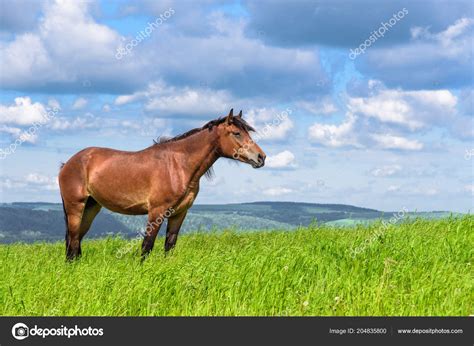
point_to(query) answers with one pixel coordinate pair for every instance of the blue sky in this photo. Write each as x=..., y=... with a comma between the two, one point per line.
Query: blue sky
x=388, y=128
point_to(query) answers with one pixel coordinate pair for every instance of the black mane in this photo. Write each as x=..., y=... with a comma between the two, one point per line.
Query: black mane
x=237, y=121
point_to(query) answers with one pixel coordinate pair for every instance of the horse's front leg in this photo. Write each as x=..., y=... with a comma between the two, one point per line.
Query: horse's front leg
x=174, y=225
x=155, y=220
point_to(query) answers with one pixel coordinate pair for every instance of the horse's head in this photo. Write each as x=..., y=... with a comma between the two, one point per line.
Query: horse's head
x=235, y=141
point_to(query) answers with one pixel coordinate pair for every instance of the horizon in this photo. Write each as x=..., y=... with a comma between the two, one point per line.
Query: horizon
x=268, y=201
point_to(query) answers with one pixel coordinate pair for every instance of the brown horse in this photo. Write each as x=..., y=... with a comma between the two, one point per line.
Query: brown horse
x=161, y=181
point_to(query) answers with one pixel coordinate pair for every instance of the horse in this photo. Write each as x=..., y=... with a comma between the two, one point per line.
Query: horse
x=161, y=180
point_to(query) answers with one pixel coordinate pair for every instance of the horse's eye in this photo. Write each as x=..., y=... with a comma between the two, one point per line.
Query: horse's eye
x=236, y=134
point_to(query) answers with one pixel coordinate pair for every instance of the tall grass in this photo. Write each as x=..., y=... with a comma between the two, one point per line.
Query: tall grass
x=416, y=268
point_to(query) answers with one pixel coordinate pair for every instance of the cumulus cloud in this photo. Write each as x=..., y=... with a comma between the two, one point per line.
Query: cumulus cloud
x=324, y=106
x=415, y=110
x=70, y=47
x=386, y=118
x=341, y=24
x=245, y=68
x=335, y=135
x=284, y=159
x=387, y=141
x=66, y=46
x=23, y=112
x=18, y=133
x=85, y=121
x=386, y=171
x=168, y=100
x=14, y=18
x=22, y=119
x=411, y=109
x=271, y=124
x=79, y=103
x=148, y=127
x=42, y=181
x=431, y=60
x=32, y=181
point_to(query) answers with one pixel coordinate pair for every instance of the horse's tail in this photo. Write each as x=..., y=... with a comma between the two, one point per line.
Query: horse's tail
x=67, y=225
x=65, y=214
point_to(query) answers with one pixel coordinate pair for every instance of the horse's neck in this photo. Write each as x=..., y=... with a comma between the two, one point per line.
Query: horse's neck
x=201, y=152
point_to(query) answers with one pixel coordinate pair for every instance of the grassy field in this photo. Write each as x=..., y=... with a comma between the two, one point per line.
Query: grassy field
x=416, y=268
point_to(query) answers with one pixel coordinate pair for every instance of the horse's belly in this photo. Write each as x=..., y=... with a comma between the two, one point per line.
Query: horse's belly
x=123, y=196
x=124, y=207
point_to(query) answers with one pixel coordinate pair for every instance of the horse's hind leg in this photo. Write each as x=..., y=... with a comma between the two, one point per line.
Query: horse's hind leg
x=80, y=215
x=73, y=212
x=91, y=210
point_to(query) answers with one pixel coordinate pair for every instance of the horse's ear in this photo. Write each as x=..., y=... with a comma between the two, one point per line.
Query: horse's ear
x=230, y=117
x=240, y=114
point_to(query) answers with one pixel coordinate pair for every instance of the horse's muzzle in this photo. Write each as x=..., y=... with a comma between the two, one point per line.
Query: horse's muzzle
x=261, y=161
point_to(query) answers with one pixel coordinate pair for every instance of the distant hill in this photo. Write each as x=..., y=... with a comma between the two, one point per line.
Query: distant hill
x=30, y=222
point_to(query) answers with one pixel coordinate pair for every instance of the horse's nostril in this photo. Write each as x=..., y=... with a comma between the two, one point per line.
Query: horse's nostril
x=261, y=159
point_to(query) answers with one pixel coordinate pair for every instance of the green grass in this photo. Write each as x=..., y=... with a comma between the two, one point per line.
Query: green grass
x=416, y=268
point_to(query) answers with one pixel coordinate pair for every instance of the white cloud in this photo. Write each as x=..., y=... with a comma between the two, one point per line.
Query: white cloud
x=447, y=37
x=32, y=181
x=146, y=127
x=411, y=109
x=384, y=117
x=322, y=107
x=23, y=112
x=415, y=110
x=18, y=133
x=168, y=100
x=88, y=120
x=284, y=159
x=277, y=191
x=270, y=123
x=69, y=47
x=23, y=118
x=42, y=181
x=54, y=104
x=335, y=135
x=190, y=101
x=68, y=43
x=429, y=59
x=386, y=171
x=8, y=183
x=387, y=141
x=79, y=103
